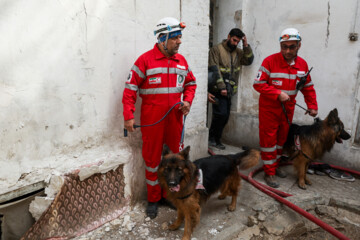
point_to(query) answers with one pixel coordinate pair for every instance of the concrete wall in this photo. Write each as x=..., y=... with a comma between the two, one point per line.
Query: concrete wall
x=325, y=26
x=63, y=70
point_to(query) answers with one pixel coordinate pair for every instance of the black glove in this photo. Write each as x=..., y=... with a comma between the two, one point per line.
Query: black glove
x=229, y=90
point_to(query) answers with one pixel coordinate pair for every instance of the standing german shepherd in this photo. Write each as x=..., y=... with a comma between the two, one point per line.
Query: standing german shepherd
x=309, y=142
x=181, y=179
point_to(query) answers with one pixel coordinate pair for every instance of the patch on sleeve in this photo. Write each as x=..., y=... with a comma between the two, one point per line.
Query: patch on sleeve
x=180, y=80
x=258, y=75
x=180, y=67
x=128, y=80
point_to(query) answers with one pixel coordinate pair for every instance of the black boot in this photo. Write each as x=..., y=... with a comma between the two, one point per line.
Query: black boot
x=152, y=209
x=219, y=145
x=271, y=181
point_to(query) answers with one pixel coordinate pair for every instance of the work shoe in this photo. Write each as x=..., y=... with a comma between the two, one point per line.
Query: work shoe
x=152, y=209
x=212, y=143
x=310, y=171
x=220, y=146
x=271, y=181
x=280, y=173
x=340, y=175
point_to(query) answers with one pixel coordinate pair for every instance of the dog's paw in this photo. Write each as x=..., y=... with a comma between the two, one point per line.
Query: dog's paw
x=302, y=185
x=231, y=208
x=221, y=197
x=173, y=227
x=308, y=182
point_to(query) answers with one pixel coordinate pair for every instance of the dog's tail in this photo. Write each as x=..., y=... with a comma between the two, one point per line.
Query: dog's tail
x=248, y=158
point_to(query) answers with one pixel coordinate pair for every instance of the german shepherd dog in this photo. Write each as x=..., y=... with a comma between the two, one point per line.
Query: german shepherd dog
x=307, y=143
x=181, y=179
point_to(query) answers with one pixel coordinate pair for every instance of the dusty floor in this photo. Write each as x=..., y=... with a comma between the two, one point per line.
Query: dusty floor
x=257, y=216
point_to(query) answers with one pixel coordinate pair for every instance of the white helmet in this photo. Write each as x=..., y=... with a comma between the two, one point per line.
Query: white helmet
x=290, y=34
x=168, y=25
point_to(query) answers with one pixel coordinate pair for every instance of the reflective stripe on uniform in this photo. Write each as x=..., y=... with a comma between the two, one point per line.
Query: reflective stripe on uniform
x=138, y=71
x=259, y=82
x=178, y=71
x=225, y=70
x=152, y=183
x=149, y=169
x=264, y=70
x=161, y=90
x=237, y=69
x=269, y=162
x=269, y=149
x=279, y=147
x=153, y=71
x=309, y=84
x=290, y=93
x=132, y=87
x=283, y=75
x=190, y=83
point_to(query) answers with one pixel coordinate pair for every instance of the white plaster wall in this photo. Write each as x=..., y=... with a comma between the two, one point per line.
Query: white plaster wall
x=63, y=67
x=324, y=26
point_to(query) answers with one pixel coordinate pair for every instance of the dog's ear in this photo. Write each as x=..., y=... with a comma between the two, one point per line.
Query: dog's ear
x=166, y=150
x=333, y=117
x=191, y=168
x=185, y=153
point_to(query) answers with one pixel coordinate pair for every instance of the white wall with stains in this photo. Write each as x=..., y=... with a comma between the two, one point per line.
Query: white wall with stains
x=325, y=26
x=63, y=67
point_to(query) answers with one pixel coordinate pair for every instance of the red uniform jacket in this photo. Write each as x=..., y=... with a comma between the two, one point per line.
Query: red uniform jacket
x=160, y=81
x=276, y=75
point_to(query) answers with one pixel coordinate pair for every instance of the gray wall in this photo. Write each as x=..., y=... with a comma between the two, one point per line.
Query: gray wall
x=325, y=26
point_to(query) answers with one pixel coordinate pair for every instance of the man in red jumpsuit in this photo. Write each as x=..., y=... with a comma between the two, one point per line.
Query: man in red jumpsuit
x=161, y=76
x=276, y=82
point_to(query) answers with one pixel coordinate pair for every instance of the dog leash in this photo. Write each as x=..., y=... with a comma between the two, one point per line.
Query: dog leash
x=306, y=110
x=284, y=110
x=181, y=144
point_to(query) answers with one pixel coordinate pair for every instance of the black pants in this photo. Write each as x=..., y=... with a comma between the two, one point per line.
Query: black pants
x=220, y=117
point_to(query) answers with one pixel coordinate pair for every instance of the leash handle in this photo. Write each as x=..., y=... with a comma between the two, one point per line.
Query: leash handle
x=126, y=131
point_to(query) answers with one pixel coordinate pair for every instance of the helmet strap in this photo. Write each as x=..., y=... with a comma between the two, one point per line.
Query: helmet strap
x=167, y=37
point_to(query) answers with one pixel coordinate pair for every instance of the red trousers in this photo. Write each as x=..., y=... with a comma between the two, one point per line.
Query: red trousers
x=273, y=131
x=167, y=131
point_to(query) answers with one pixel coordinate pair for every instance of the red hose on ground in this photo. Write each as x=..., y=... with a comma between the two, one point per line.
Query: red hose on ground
x=278, y=195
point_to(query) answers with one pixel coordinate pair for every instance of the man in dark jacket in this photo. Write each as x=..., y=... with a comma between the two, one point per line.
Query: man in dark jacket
x=225, y=60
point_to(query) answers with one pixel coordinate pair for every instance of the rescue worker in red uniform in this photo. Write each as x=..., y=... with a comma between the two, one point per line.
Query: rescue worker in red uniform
x=161, y=76
x=276, y=82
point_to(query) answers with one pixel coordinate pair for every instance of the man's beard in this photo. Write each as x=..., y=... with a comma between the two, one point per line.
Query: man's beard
x=232, y=47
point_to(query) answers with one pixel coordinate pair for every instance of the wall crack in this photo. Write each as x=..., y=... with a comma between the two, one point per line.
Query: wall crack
x=328, y=27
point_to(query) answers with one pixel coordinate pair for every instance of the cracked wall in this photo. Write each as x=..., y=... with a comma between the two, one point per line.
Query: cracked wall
x=63, y=70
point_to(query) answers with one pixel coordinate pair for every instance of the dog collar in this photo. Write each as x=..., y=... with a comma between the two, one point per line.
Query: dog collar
x=184, y=197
